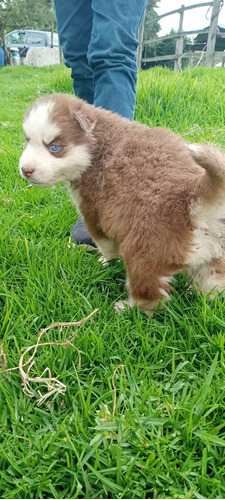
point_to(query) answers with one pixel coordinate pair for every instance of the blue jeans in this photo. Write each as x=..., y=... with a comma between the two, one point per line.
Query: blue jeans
x=99, y=39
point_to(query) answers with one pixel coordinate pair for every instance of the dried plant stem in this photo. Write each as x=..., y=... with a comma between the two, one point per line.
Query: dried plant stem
x=52, y=383
x=114, y=388
x=3, y=356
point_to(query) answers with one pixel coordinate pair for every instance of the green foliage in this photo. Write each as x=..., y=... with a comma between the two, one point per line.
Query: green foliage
x=166, y=437
x=152, y=25
x=26, y=14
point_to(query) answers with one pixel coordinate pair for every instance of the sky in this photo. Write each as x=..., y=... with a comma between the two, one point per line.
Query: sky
x=197, y=18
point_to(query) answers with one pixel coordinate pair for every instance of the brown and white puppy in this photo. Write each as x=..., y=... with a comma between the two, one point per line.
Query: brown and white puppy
x=143, y=192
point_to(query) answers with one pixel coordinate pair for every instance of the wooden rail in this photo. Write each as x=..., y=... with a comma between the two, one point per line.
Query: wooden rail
x=177, y=11
x=179, y=35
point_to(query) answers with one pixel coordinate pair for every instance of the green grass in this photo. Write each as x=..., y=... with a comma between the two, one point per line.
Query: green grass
x=167, y=437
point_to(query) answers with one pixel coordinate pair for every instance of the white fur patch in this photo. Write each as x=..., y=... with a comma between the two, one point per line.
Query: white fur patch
x=202, y=211
x=208, y=243
x=165, y=280
x=76, y=197
x=38, y=121
x=207, y=279
x=108, y=248
x=194, y=148
x=120, y=305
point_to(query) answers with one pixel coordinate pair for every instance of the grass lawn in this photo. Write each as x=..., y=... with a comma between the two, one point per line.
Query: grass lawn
x=143, y=412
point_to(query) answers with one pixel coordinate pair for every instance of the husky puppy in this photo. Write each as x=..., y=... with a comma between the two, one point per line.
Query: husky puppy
x=144, y=193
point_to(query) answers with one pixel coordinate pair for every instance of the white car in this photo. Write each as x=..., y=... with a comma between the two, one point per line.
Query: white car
x=24, y=39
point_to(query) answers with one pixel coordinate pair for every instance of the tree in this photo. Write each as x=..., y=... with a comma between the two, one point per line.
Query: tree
x=151, y=26
x=5, y=10
x=26, y=14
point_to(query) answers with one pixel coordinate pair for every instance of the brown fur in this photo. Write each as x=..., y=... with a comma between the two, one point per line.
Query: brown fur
x=139, y=195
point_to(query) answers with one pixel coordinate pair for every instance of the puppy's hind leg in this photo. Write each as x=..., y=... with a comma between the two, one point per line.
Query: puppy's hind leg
x=146, y=291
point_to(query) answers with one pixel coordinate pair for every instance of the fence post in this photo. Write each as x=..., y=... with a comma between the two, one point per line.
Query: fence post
x=140, y=37
x=211, y=40
x=180, y=42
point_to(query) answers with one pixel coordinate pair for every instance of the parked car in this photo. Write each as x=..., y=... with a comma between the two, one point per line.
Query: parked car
x=24, y=39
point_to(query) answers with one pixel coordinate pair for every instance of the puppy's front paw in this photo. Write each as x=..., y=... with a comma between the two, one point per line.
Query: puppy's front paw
x=103, y=261
x=121, y=305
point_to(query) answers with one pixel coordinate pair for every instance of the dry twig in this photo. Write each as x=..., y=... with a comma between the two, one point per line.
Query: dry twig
x=114, y=388
x=3, y=356
x=52, y=383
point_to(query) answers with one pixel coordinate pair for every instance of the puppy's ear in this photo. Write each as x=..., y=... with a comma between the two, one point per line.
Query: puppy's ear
x=85, y=123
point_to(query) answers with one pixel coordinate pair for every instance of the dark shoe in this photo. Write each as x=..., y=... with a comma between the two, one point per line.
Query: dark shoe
x=81, y=235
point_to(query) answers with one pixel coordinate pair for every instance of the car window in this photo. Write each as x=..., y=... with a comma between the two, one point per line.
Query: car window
x=17, y=37
x=35, y=39
x=55, y=38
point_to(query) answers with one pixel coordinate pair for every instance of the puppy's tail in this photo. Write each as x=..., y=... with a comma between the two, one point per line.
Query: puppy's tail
x=212, y=186
x=212, y=159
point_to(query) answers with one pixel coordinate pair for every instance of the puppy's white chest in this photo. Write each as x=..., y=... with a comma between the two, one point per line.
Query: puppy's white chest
x=76, y=197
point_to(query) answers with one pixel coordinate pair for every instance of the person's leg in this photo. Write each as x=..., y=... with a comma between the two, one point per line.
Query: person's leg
x=112, y=53
x=111, y=57
x=74, y=21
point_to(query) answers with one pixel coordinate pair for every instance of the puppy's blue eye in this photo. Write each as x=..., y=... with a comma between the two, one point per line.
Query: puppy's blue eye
x=54, y=148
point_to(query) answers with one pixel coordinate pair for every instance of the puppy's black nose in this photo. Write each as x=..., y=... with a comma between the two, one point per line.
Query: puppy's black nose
x=27, y=171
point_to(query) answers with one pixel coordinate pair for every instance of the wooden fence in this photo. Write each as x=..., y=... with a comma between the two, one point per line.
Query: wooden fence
x=179, y=35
